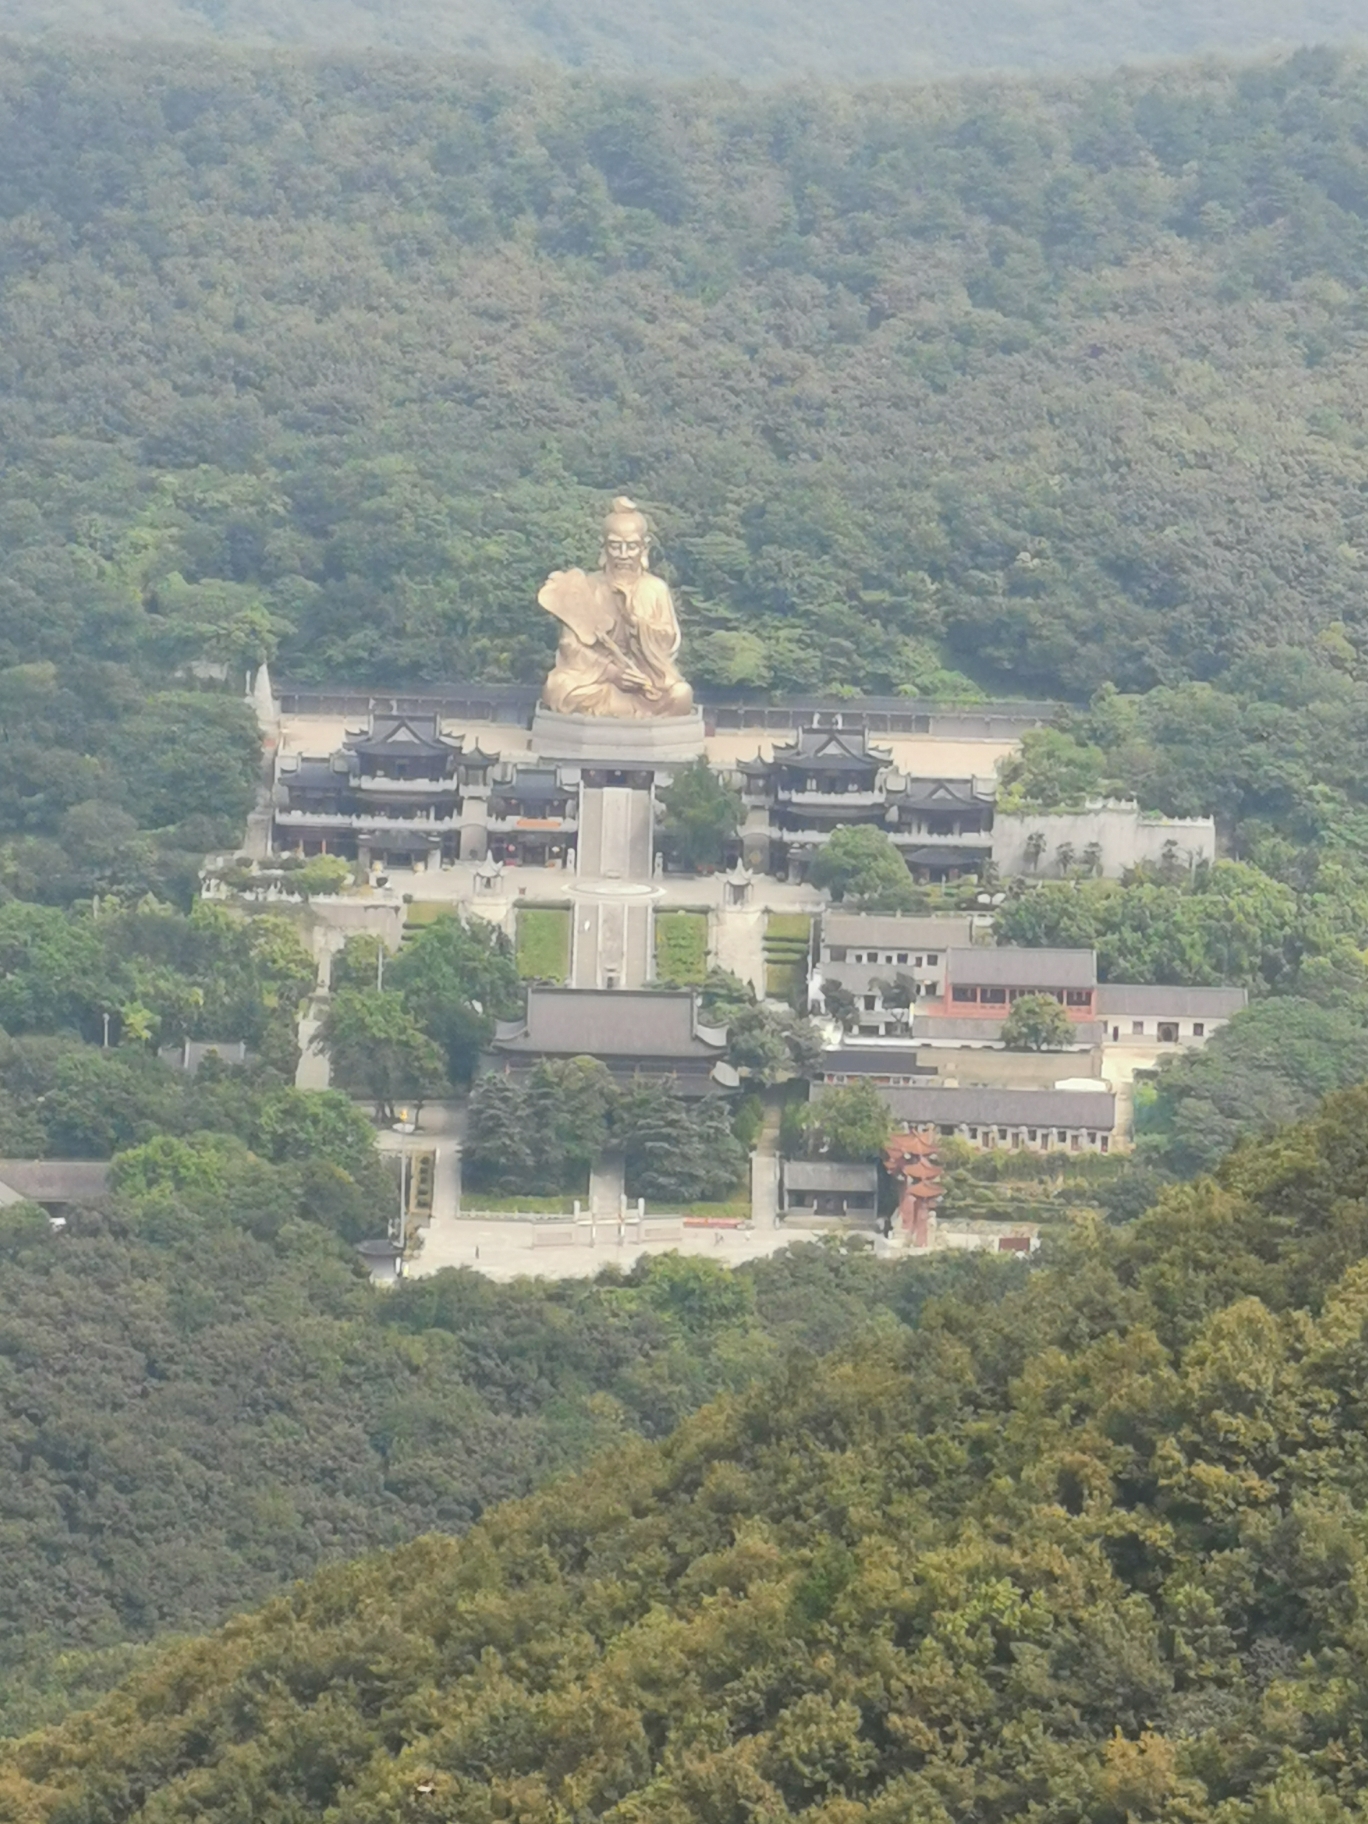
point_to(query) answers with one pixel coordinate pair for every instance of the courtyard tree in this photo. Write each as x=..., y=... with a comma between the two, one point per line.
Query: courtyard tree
x=1037, y=1022
x=770, y=1044
x=456, y=977
x=861, y=864
x=702, y=815
x=851, y=1123
x=377, y=1049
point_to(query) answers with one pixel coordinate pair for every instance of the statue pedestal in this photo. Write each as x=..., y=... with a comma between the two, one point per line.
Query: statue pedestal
x=625, y=741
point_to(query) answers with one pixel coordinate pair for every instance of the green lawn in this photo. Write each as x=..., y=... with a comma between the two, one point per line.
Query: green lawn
x=542, y=945
x=426, y=911
x=681, y=946
x=787, y=937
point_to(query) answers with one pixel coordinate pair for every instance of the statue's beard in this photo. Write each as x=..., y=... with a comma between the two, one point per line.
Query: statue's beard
x=623, y=569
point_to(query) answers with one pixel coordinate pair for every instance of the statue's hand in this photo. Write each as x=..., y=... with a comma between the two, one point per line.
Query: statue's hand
x=631, y=677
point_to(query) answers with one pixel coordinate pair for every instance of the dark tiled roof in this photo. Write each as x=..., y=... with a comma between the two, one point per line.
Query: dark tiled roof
x=607, y=1023
x=952, y=855
x=826, y=1175
x=847, y=750
x=1012, y=967
x=404, y=734
x=866, y=931
x=875, y=1061
x=54, y=1180
x=1136, y=999
x=941, y=795
x=534, y=785
x=988, y=1107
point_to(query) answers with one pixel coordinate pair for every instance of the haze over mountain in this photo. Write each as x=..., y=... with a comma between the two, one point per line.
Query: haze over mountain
x=766, y=42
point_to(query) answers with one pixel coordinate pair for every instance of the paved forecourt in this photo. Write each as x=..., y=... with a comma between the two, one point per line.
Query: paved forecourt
x=512, y=1250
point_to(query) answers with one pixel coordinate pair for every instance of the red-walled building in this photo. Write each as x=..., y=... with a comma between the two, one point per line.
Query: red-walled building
x=981, y=983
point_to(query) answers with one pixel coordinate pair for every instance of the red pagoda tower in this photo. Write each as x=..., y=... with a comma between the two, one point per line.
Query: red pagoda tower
x=910, y=1158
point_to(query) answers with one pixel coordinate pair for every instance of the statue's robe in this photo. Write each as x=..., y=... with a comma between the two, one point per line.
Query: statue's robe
x=646, y=633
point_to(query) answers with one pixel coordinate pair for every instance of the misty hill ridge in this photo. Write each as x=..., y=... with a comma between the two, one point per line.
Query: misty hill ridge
x=762, y=41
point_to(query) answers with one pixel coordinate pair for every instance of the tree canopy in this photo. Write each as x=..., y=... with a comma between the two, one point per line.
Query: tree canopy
x=818, y=328
x=1036, y=1022
x=860, y=863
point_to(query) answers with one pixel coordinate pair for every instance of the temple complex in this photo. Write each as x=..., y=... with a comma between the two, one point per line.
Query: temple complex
x=542, y=811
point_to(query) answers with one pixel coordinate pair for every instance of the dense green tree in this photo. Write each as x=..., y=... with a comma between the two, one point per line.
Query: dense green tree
x=859, y=863
x=850, y=1123
x=377, y=1049
x=1232, y=923
x=1270, y=1064
x=456, y=977
x=543, y=1134
x=701, y=816
x=370, y=500
x=677, y=1149
x=1037, y=1022
x=1052, y=772
x=769, y=1044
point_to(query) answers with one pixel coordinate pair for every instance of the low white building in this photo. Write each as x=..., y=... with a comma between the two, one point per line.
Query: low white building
x=1140, y=1015
x=1104, y=839
x=860, y=952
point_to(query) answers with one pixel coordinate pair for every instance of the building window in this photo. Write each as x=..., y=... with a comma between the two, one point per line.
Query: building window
x=871, y=1001
x=902, y=956
x=1063, y=1134
x=1104, y=1143
x=947, y=1131
x=1074, y=1142
x=1016, y=1137
x=1032, y=1135
x=973, y=1133
x=963, y=994
x=1137, y=1029
x=1198, y=1030
x=1078, y=997
x=1168, y=1032
x=993, y=997
x=838, y=953
x=931, y=960
x=1002, y=1133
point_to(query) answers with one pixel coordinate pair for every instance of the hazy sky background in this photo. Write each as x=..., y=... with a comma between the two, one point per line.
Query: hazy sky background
x=755, y=40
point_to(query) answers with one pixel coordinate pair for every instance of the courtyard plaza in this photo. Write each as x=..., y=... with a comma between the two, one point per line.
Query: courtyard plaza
x=918, y=756
x=505, y=1246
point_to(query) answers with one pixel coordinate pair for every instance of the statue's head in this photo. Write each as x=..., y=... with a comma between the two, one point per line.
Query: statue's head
x=626, y=539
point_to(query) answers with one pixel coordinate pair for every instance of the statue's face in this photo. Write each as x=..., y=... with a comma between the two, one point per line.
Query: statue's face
x=624, y=546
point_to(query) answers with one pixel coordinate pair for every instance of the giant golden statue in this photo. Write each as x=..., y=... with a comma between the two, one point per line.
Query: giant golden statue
x=619, y=635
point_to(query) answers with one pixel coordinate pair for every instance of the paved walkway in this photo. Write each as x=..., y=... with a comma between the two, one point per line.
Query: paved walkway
x=313, y=1070
x=506, y=1250
x=765, y=1171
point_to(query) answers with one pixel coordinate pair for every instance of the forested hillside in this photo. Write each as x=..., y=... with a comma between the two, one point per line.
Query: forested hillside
x=201, y=1398
x=755, y=42
x=1092, y=1552
x=1056, y=384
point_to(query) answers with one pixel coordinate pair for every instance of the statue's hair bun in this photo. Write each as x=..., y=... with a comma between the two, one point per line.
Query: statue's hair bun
x=621, y=504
